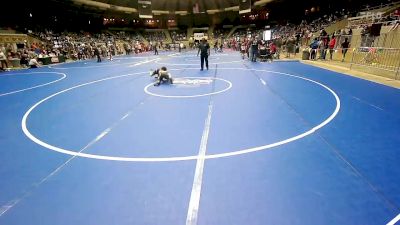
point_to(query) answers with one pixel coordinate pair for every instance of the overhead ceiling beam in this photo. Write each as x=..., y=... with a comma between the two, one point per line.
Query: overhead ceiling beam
x=124, y=9
x=213, y=11
x=181, y=12
x=161, y=12
x=93, y=3
x=233, y=8
x=262, y=2
x=102, y=5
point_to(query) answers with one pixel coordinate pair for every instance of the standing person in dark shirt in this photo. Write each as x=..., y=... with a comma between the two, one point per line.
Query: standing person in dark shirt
x=345, y=47
x=204, y=51
x=216, y=46
x=254, y=49
x=155, y=48
x=97, y=54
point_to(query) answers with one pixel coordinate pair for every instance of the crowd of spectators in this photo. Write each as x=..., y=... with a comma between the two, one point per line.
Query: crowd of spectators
x=312, y=37
x=156, y=36
x=67, y=45
x=78, y=45
x=220, y=33
x=25, y=56
x=289, y=38
x=178, y=35
x=389, y=19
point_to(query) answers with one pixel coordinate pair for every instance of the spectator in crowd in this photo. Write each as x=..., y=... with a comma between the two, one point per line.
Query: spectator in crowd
x=314, y=47
x=2, y=48
x=110, y=52
x=290, y=46
x=324, y=42
x=24, y=60
x=345, y=48
x=215, y=46
x=332, y=44
x=3, y=61
x=33, y=63
x=155, y=47
x=272, y=48
x=97, y=53
x=254, y=49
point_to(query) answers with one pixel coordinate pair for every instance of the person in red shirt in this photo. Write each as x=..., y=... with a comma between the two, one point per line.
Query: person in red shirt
x=397, y=12
x=243, y=49
x=272, y=47
x=331, y=46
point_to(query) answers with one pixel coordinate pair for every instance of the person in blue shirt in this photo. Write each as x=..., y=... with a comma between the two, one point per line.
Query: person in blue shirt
x=314, y=46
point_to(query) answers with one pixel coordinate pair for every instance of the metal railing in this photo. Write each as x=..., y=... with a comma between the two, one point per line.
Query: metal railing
x=379, y=61
x=386, y=40
x=366, y=9
x=379, y=58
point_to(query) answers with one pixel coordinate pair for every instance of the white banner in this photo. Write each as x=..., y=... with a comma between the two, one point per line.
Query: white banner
x=198, y=36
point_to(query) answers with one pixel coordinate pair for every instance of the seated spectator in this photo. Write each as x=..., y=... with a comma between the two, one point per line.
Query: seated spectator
x=272, y=47
x=24, y=60
x=3, y=61
x=33, y=63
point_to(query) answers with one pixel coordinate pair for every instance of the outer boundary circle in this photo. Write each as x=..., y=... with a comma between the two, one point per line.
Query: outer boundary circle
x=181, y=158
x=193, y=55
x=194, y=64
x=197, y=59
x=146, y=89
x=37, y=86
x=59, y=66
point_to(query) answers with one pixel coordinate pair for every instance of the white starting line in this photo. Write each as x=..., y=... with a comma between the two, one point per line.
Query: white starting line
x=394, y=220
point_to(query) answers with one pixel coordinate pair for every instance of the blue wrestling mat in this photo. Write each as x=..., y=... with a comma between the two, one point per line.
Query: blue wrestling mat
x=242, y=143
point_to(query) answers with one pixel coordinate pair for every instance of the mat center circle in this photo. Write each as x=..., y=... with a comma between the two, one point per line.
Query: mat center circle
x=189, y=87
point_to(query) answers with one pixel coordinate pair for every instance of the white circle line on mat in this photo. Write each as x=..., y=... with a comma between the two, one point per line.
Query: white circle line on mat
x=195, y=64
x=180, y=158
x=100, y=65
x=37, y=86
x=198, y=58
x=192, y=55
x=146, y=89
